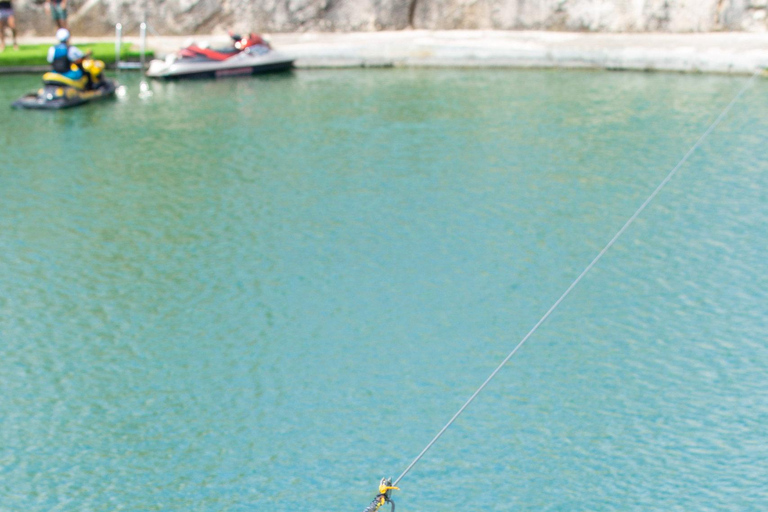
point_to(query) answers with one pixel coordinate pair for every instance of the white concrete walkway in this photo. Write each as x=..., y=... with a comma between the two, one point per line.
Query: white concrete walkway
x=711, y=52
x=722, y=52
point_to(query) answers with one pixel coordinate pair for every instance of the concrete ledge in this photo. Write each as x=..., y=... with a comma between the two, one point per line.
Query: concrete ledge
x=10, y=70
x=708, y=52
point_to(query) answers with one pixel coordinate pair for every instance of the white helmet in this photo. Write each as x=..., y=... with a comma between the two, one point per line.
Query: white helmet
x=62, y=35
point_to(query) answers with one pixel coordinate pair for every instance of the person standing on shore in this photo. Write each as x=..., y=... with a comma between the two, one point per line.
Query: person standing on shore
x=58, y=10
x=7, y=18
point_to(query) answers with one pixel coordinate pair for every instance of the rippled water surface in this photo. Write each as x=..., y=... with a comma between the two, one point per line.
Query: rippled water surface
x=268, y=293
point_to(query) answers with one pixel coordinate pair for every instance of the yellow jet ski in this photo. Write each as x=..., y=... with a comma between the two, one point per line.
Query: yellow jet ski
x=59, y=91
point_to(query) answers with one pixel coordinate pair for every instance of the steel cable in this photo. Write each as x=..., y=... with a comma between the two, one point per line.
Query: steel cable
x=584, y=272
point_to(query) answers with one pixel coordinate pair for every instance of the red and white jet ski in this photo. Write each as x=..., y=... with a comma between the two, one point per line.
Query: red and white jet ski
x=247, y=56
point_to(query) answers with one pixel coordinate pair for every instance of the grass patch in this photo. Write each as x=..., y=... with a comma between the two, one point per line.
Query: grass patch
x=35, y=54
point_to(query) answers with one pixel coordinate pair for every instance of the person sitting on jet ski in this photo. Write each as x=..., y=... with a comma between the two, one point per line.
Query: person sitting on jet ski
x=66, y=60
x=241, y=43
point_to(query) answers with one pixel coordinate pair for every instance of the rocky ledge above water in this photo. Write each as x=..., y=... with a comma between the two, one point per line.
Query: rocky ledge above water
x=168, y=17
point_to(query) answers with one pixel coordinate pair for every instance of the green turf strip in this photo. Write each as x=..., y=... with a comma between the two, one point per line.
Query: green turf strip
x=35, y=54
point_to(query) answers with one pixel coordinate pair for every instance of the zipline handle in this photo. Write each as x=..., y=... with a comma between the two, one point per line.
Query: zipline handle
x=384, y=496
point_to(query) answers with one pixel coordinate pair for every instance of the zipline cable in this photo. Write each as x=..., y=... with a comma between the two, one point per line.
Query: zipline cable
x=584, y=272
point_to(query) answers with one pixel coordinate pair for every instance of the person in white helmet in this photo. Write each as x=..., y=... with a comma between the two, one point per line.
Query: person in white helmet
x=62, y=56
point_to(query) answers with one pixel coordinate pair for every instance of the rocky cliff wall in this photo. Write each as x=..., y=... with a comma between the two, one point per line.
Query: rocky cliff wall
x=170, y=17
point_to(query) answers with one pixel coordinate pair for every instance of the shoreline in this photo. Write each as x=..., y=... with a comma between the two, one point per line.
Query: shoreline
x=712, y=52
x=722, y=52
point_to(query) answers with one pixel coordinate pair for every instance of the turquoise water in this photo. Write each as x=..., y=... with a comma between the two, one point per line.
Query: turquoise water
x=268, y=293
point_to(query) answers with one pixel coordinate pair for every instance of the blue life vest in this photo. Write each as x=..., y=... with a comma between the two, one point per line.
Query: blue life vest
x=61, y=62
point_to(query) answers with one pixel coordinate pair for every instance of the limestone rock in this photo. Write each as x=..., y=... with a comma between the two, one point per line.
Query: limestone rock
x=170, y=17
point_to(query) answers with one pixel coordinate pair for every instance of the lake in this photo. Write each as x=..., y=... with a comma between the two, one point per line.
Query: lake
x=268, y=293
